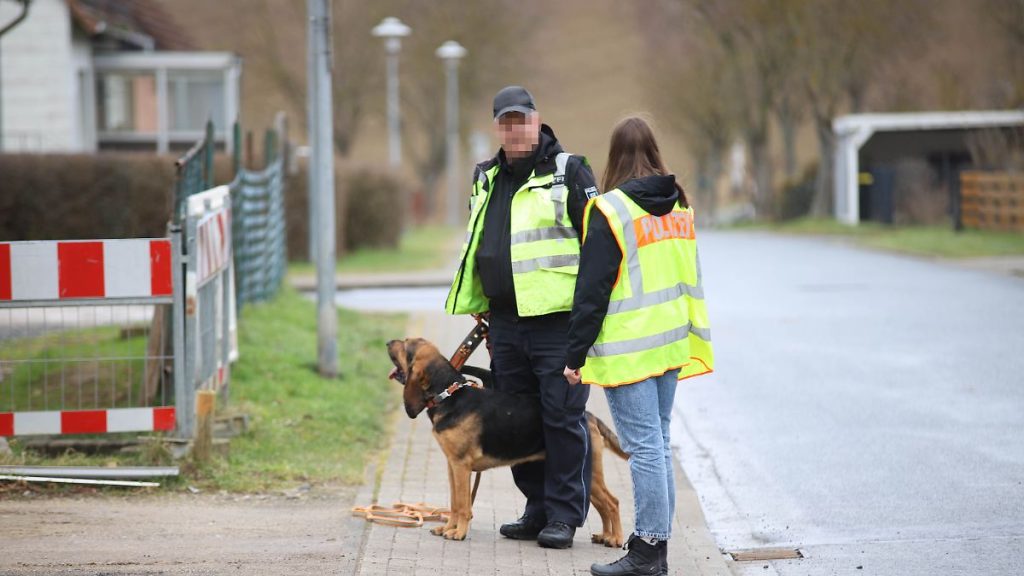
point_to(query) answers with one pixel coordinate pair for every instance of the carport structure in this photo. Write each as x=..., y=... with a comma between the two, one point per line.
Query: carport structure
x=940, y=137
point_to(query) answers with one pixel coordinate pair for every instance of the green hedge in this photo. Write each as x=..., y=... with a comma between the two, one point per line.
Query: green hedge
x=65, y=197
x=111, y=195
x=369, y=209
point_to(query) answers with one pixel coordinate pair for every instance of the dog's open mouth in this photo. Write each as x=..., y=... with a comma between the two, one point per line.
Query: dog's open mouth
x=397, y=374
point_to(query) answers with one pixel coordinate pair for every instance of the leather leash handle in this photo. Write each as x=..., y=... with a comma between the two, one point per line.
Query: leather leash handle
x=470, y=343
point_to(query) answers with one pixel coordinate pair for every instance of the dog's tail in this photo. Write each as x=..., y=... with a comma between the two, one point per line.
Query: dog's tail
x=610, y=438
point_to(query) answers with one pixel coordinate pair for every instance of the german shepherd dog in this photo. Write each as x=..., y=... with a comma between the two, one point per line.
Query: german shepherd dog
x=481, y=428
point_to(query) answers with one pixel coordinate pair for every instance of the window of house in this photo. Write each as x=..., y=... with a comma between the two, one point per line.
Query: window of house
x=194, y=98
x=126, y=102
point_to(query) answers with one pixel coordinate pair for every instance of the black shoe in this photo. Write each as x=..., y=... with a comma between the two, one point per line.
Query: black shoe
x=526, y=528
x=642, y=560
x=556, y=535
x=662, y=547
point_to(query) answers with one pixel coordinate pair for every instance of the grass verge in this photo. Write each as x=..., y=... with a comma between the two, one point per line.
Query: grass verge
x=306, y=428
x=303, y=428
x=922, y=240
x=420, y=249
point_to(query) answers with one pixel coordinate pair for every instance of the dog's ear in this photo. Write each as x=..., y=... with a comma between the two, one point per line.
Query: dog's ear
x=416, y=378
x=396, y=351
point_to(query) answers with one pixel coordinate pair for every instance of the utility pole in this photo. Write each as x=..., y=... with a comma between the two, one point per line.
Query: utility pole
x=322, y=125
x=311, y=160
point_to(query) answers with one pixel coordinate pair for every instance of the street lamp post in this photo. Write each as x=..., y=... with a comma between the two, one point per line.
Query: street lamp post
x=451, y=52
x=393, y=30
x=322, y=173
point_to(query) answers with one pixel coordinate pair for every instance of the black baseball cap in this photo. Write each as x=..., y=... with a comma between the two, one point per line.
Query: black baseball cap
x=513, y=99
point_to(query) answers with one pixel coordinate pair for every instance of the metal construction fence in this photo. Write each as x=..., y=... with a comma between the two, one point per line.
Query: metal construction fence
x=101, y=336
x=82, y=349
x=257, y=197
x=118, y=335
x=209, y=325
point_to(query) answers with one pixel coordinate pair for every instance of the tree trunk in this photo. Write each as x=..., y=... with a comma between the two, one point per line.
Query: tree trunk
x=709, y=167
x=821, y=206
x=787, y=123
x=761, y=164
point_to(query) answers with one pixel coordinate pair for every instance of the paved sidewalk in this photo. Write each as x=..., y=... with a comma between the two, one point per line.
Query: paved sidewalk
x=415, y=471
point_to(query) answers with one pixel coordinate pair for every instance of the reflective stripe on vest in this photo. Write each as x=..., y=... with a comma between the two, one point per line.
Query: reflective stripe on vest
x=647, y=333
x=544, y=246
x=466, y=295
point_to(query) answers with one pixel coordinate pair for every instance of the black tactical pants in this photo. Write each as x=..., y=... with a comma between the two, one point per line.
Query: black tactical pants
x=527, y=357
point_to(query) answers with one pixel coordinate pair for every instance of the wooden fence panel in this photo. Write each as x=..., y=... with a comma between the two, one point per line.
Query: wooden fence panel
x=992, y=201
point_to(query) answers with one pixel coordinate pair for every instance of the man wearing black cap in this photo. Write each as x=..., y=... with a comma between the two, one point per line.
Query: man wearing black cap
x=519, y=263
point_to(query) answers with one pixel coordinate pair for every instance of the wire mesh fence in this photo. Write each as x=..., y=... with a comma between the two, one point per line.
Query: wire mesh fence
x=258, y=230
x=82, y=358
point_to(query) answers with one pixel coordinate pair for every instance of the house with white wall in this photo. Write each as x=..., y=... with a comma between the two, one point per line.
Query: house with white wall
x=93, y=75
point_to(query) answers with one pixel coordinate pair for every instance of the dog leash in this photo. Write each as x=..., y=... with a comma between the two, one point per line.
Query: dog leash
x=404, y=515
x=469, y=344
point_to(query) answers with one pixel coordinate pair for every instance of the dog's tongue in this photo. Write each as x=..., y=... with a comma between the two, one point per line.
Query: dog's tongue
x=393, y=373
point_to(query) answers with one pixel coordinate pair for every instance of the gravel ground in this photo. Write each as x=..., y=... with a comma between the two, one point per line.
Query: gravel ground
x=304, y=531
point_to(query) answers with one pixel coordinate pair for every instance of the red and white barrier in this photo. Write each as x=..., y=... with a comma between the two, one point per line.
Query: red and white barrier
x=67, y=270
x=87, y=421
x=213, y=243
x=212, y=209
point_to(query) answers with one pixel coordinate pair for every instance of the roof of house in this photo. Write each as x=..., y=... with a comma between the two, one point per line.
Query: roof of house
x=927, y=120
x=141, y=22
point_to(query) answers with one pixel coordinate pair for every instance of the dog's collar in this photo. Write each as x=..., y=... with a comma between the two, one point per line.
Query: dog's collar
x=447, y=392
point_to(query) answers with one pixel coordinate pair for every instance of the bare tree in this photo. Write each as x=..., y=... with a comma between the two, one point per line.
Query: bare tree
x=757, y=47
x=707, y=117
x=842, y=44
x=1009, y=17
x=495, y=50
x=277, y=49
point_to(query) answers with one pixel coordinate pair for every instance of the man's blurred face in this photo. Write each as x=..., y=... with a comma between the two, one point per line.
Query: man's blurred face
x=518, y=133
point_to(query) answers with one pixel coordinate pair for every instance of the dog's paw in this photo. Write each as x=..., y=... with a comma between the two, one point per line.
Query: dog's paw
x=455, y=534
x=607, y=540
x=438, y=530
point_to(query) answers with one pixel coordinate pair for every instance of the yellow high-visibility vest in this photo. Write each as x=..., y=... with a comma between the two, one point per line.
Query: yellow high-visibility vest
x=656, y=319
x=545, y=248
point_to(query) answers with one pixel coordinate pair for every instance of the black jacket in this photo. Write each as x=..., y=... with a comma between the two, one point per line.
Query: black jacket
x=493, y=254
x=600, y=258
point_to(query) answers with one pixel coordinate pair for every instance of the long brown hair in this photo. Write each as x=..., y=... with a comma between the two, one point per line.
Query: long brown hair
x=634, y=153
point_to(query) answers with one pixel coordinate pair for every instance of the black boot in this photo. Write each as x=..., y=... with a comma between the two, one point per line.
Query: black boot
x=557, y=535
x=662, y=547
x=642, y=560
x=526, y=528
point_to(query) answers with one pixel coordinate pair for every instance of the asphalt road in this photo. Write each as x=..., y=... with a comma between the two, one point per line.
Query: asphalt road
x=867, y=408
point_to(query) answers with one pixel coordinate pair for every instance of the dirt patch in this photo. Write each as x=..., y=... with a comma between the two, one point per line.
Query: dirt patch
x=299, y=532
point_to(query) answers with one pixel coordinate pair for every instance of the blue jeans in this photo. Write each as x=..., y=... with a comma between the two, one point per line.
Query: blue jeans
x=642, y=413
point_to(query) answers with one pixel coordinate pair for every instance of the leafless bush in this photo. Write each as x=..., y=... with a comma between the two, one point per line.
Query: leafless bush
x=917, y=196
x=997, y=149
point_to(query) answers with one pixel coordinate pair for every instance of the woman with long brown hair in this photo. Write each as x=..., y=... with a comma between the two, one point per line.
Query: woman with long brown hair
x=639, y=324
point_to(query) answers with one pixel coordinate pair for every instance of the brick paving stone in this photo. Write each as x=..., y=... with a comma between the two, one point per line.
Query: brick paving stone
x=416, y=471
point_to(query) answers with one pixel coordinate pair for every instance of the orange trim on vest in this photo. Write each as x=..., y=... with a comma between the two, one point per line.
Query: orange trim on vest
x=617, y=384
x=672, y=226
